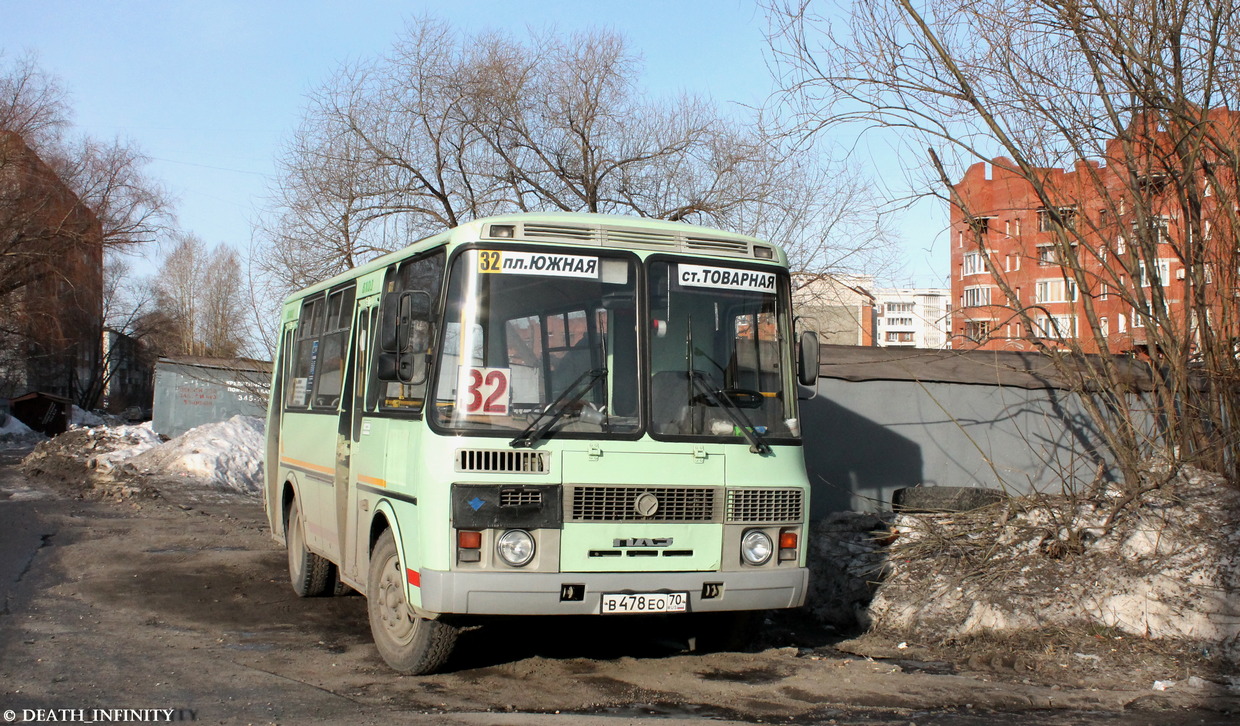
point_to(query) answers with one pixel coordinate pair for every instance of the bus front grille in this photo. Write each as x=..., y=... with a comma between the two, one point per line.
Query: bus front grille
x=642, y=504
x=500, y=461
x=764, y=505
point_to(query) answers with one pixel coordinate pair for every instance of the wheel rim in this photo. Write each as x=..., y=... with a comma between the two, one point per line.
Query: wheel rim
x=398, y=623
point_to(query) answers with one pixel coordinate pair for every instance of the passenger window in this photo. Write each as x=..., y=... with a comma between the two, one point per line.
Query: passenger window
x=332, y=349
x=306, y=354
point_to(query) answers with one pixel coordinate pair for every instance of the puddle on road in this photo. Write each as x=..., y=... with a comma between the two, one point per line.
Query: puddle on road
x=754, y=676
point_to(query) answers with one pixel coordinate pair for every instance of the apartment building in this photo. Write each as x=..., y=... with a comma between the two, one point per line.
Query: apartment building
x=1069, y=273
x=912, y=317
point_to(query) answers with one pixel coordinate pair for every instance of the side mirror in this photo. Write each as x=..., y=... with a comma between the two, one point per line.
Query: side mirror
x=405, y=333
x=807, y=358
x=400, y=311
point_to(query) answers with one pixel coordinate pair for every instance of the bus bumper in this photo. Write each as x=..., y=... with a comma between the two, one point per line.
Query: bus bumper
x=579, y=593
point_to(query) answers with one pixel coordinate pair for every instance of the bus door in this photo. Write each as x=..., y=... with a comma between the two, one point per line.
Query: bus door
x=352, y=408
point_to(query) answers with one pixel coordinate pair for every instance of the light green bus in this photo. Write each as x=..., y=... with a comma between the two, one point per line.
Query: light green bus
x=544, y=414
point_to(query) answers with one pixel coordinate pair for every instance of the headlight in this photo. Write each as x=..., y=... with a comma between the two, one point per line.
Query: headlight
x=756, y=547
x=516, y=547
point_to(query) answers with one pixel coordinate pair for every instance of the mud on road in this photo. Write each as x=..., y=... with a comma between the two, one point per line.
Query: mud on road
x=174, y=596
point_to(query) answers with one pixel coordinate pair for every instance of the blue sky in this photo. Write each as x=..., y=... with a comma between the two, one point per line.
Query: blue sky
x=210, y=89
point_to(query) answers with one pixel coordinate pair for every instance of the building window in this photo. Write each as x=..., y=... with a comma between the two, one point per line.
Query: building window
x=1017, y=227
x=907, y=322
x=976, y=296
x=899, y=337
x=972, y=264
x=1119, y=245
x=1056, y=326
x=901, y=307
x=1046, y=255
x=1104, y=291
x=1057, y=290
x=1104, y=327
x=1047, y=221
x=977, y=330
x=1123, y=322
x=1162, y=273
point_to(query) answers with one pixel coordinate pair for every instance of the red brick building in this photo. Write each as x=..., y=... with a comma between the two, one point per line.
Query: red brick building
x=51, y=280
x=1010, y=286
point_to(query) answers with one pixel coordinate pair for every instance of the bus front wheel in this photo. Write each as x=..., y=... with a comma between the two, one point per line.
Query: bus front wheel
x=310, y=574
x=409, y=644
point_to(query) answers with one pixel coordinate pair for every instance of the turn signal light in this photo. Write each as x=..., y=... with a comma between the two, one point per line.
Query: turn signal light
x=787, y=546
x=469, y=540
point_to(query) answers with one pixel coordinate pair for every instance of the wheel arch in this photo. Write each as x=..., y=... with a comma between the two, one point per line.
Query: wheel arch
x=289, y=490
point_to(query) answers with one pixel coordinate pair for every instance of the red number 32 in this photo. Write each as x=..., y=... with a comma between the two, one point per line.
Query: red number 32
x=487, y=391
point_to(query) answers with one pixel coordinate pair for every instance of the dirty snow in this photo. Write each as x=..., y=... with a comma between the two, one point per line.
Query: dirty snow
x=79, y=418
x=226, y=454
x=15, y=433
x=1168, y=571
x=127, y=442
x=10, y=425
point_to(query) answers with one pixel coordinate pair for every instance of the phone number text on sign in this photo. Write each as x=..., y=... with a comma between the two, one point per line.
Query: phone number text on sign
x=483, y=391
x=726, y=278
x=537, y=263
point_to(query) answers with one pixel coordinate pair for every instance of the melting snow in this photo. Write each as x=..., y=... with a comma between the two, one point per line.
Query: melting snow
x=228, y=454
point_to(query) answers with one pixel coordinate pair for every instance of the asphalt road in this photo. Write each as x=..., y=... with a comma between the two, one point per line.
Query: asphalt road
x=181, y=603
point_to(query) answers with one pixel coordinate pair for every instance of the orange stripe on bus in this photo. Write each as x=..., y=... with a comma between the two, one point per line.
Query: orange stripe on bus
x=307, y=465
x=415, y=578
x=372, y=481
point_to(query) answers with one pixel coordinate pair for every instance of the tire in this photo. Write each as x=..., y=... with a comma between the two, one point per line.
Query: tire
x=727, y=631
x=409, y=644
x=943, y=499
x=310, y=574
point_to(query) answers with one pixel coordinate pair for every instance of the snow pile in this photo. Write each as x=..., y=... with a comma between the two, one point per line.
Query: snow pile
x=1168, y=570
x=79, y=418
x=9, y=425
x=124, y=442
x=228, y=454
x=14, y=433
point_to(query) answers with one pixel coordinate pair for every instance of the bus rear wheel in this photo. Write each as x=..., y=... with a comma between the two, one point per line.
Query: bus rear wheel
x=409, y=644
x=310, y=574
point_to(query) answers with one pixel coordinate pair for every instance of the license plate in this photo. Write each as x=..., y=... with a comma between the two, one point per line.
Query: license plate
x=645, y=602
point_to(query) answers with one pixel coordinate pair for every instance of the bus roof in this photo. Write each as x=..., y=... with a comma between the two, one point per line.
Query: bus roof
x=581, y=229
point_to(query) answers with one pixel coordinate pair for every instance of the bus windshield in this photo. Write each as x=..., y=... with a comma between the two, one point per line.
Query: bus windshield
x=526, y=332
x=716, y=353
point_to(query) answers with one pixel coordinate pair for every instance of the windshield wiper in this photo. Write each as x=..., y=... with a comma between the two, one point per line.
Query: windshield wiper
x=557, y=408
x=720, y=399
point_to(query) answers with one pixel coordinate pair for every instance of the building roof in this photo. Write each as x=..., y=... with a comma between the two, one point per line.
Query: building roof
x=1016, y=369
x=232, y=364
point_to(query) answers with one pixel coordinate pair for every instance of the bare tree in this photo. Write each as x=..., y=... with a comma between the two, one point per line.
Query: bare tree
x=446, y=128
x=1137, y=85
x=32, y=103
x=199, y=301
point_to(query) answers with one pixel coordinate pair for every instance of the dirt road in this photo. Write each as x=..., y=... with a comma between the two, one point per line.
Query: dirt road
x=180, y=601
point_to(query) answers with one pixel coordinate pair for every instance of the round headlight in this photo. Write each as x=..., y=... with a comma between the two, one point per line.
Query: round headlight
x=756, y=547
x=516, y=547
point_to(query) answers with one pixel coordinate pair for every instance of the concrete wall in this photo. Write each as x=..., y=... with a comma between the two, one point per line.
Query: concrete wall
x=189, y=395
x=865, y=439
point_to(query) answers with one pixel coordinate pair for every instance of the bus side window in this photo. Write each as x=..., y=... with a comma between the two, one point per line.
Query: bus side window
x=332, y=349
x=305, y=354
